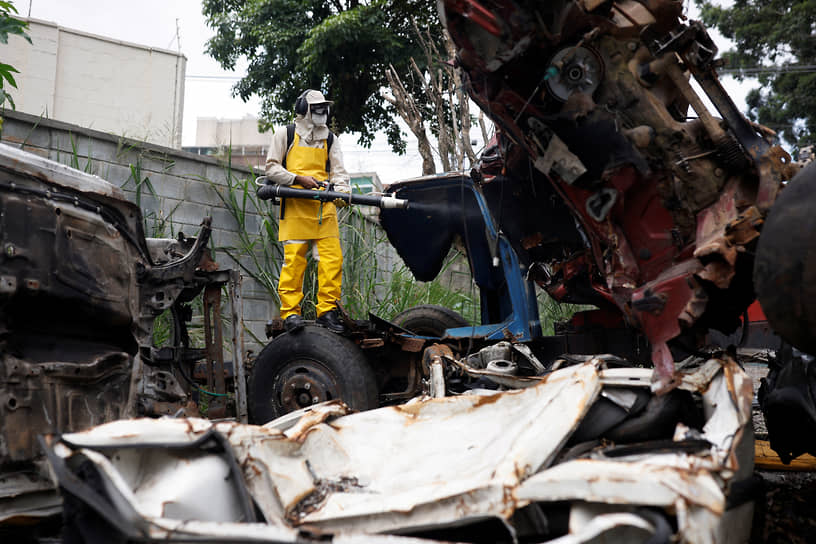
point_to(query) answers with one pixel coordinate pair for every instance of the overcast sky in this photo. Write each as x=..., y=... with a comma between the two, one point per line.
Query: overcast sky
x=179, y=24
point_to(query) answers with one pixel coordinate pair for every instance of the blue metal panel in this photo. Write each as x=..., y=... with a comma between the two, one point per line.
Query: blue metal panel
x=506, y=293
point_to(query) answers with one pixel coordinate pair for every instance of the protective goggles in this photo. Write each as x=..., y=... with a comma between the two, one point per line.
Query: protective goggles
x=319, y=109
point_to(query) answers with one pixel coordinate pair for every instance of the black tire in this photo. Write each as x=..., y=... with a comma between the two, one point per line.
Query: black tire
x=429, y=320
x=785, y=263
x=313, y=365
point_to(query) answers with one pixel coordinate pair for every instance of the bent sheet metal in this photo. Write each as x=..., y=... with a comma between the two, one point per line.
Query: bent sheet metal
x=426, y=465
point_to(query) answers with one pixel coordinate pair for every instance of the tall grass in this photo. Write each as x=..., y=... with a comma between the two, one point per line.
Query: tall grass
x=257, y=252
x=551, y=311
x=88, y=168
x=370, y=285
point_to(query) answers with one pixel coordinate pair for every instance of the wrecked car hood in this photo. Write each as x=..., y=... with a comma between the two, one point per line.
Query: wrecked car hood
x=427, y=465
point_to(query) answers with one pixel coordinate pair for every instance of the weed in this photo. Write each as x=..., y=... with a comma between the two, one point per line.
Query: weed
x=74, y=163
x=375, y=280
x=551, y=311
x=258, y=253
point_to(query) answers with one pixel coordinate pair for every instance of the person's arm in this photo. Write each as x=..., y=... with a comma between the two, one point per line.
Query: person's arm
x=274, y=159
x=338, y=175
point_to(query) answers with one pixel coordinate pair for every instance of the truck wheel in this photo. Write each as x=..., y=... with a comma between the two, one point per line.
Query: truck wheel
x=314, y=365
x=429, y=320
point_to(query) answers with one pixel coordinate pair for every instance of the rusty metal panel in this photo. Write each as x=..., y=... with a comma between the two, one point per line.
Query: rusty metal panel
x=420, y=465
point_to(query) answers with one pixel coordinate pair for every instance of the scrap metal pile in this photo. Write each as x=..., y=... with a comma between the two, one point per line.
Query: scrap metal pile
x=536, y=463
x=611, y=190
x=602, y=187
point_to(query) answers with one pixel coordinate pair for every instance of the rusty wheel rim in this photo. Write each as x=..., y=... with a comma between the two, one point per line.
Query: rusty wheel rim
x=303, y=383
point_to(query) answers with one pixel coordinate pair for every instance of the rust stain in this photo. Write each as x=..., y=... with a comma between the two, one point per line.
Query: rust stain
x=411, y=410
x=369, y=343
x=411, y=345
x=719, y=273
x=485, y=400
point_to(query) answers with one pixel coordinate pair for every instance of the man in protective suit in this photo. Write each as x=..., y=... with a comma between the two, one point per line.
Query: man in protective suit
x=307, y=155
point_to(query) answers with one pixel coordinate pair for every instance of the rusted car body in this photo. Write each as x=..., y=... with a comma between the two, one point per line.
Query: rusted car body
x=593, y=101
x=80, y=288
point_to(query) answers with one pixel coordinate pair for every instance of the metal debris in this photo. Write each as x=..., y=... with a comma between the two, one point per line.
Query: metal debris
x=427, y=465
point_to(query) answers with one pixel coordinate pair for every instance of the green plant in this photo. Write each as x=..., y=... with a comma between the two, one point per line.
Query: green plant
x=551, y=311
x=258, y=253
x=88, y=168
x=404, y=292
x=340, y=46
x=158, y=224
x=141, y=183
x=31, y=131
x=772, y=40
x=155, y=222
x=9, y=25
x=361, y=267
x=370, y=286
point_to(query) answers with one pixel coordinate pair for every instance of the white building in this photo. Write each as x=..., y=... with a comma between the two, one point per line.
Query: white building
x=98, y=82
x=211, y=131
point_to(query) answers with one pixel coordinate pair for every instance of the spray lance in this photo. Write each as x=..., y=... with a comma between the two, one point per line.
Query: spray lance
x=267, y=190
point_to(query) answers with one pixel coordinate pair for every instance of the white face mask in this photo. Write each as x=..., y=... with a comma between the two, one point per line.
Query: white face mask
x=319, y=119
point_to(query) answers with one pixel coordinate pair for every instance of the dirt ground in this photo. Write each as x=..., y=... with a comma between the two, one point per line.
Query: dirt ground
x=788, y=512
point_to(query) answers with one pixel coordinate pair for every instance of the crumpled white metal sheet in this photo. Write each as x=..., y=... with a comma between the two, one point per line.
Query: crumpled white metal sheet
x=690, y=484
x=439, y=463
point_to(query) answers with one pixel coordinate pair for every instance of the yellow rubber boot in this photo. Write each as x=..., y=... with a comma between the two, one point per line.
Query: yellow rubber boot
x=290, y=283
x=329, y=273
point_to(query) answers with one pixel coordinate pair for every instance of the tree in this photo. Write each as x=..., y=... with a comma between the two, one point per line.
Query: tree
x=341, y=46
x=446, y=106
x=9, y=25
x=778, y=32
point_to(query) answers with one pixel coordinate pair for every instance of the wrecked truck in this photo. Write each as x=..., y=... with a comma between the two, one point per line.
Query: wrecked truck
x=597, y=112
x=683, y=211
x=610, y=184
x=81, y=288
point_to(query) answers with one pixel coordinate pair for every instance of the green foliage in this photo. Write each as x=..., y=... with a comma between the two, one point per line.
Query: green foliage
x=341, y=47
x=370, y=285
x=551, y=311
x=779, y=32
x=404, y=292
x=75, y=156
x=9, y=25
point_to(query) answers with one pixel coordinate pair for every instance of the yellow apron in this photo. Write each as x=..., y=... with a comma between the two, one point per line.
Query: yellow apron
x=304, y=219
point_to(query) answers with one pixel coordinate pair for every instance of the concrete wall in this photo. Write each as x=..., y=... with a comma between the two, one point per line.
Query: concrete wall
x=181, y=180
x=99, y=83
